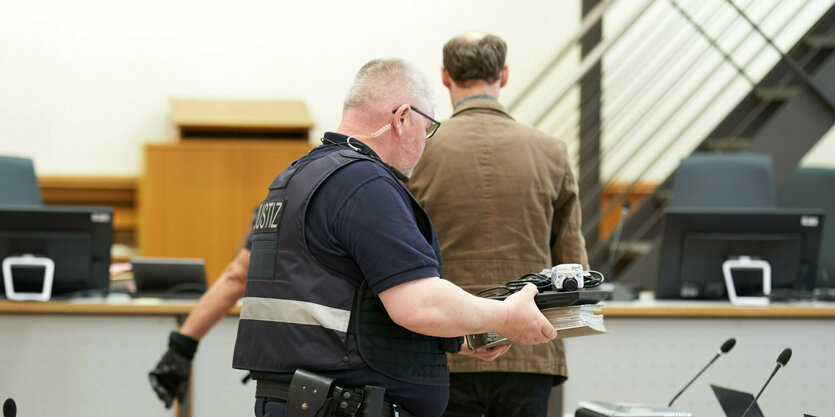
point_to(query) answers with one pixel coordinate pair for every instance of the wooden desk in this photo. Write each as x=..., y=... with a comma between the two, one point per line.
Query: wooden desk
x=93, y=357
x=654, y=348
x=88, y=358
x=96, y=307
x=717, y=310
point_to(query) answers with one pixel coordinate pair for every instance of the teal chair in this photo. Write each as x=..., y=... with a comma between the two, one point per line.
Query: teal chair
x=707, y=180
x=18, y=183
x=815, y=188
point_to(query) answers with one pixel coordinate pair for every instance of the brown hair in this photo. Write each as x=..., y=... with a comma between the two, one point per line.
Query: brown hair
x=468, y=58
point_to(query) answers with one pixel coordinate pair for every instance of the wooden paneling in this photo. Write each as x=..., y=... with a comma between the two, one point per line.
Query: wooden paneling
x=610, y=192
x=240, y=119
x=196, y=197
x=218, y=172
x=119, y=192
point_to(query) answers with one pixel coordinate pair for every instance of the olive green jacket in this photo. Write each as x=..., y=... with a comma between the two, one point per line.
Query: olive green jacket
x=504, y=202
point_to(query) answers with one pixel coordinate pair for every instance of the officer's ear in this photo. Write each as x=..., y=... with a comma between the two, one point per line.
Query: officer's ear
x=400, y=118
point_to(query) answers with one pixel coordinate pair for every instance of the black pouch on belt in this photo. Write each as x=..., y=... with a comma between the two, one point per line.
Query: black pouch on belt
x=372, y=401
x=308, y=394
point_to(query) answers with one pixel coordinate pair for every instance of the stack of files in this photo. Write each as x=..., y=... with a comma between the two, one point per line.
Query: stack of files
x=604, y=409
x=573, y=321
x=569, y=321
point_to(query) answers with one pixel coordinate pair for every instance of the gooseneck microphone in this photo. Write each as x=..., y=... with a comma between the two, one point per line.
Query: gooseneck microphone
x=782, y=360
x=725, y=348
x=728, y=345
x=9, y=408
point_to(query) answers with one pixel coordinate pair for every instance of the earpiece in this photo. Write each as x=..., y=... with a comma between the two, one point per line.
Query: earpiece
x=381, y=131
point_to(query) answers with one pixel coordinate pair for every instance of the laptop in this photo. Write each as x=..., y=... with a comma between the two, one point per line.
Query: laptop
x=735, y=402
x=169, y=277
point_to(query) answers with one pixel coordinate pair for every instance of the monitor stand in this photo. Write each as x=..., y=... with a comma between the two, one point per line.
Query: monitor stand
x=745, y=262
x=31, y=261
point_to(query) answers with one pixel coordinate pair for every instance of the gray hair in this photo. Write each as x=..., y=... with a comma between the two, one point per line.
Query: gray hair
x=382, y=80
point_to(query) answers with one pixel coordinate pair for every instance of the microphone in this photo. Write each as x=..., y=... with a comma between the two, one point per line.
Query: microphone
x=782, y=360
x=725, y=348
x=624, y=211
x=9, y=408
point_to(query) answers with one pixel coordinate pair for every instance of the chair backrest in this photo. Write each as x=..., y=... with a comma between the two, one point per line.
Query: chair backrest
x=18, y=183
x=725, y=181
x=815, y=188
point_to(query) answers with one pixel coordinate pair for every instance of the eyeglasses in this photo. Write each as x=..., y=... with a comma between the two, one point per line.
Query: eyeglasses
x=433, y=125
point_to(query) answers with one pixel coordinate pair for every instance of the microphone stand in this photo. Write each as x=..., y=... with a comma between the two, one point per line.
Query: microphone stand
x=694, y=379
x=776, y=368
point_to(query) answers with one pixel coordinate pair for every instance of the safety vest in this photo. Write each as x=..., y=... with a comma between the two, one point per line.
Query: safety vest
x=297, y=314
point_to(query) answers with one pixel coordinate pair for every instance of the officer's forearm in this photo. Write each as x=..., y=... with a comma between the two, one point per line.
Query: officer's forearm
x=437, y=307
x=219, y=299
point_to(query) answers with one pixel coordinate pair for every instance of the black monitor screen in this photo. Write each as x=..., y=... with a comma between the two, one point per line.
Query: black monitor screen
x=696, y=242
x=76, y=239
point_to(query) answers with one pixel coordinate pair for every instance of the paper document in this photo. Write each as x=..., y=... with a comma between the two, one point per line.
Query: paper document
x=605, y=409
x=570, y=321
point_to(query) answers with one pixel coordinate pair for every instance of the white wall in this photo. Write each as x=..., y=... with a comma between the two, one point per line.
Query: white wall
x=83, y=84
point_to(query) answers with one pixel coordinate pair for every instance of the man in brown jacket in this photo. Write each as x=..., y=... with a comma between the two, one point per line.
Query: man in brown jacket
x=504, y=201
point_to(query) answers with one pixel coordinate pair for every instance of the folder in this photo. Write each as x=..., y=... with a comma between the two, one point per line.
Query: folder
x=568, y=321
x=604, y=409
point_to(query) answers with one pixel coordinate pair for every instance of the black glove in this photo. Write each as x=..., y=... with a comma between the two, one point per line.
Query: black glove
x=170, y=378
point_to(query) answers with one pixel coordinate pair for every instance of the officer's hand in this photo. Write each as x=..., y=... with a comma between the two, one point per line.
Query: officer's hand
x=524, y=323
x=170, y=377
x=488, y=354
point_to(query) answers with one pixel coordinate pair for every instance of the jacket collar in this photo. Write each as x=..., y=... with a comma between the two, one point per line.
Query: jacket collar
x=481, y=104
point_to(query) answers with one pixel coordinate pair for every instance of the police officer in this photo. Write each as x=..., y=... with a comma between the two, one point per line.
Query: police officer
x=343, y=280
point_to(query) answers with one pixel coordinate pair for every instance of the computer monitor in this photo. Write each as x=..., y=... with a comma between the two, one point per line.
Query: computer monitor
x=169, y=277
x=696, y=242
x=76, y=239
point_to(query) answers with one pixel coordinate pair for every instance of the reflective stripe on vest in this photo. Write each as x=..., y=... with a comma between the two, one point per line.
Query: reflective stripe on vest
x=295, y=312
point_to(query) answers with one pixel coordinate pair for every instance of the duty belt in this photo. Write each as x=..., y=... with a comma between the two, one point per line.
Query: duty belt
x=345, y=401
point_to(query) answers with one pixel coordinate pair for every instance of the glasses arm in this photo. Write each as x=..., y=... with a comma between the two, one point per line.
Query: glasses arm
x=435, y=124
